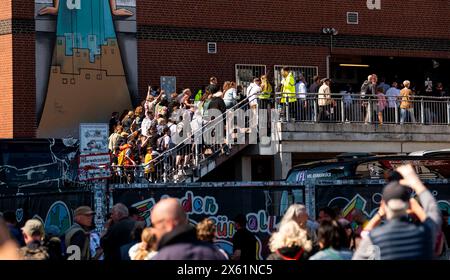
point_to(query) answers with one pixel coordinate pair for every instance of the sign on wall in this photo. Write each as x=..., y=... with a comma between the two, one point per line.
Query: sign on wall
x=94, y=167
x=93, y=138
x=169, y=84
x=87, y=63
x=374, y=4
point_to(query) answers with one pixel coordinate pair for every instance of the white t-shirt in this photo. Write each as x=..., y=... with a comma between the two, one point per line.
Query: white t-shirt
x=392, y=95
x=300, y=88
x=252, y=93
x=146, y=124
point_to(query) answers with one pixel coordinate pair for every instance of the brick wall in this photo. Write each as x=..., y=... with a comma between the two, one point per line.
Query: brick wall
x=412, y=18
x=279, y=32
x=192, y=65
x=24, y=86
x=6, y=87
x=6, y=10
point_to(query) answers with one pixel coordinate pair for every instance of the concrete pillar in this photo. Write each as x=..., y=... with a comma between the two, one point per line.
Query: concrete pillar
x=246, y=169
x=283, y=163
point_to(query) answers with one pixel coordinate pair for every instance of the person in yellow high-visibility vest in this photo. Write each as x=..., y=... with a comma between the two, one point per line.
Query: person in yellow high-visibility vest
x=288, y=92
x=288, y=86
x=264, y=99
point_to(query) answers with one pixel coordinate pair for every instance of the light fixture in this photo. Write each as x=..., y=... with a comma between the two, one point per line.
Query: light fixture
x=330, y=31
x=354, y=65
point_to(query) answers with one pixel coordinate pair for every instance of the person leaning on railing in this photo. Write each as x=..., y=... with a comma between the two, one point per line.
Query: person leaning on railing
x=264, y=99
x=406, y=105
x=325, y=100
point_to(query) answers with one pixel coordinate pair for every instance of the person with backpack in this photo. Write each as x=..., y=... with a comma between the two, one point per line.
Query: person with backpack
x=78, y=234
x=126, y=159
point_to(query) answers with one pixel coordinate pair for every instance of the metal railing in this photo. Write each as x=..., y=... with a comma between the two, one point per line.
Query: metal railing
x=185, y=159
x=355, y=108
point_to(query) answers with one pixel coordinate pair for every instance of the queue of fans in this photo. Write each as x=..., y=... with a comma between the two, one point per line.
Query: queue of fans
x=404, y=228
x=139, y=136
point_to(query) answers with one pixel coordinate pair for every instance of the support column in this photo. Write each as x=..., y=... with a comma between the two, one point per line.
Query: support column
x=246, y=169
x=283, y=163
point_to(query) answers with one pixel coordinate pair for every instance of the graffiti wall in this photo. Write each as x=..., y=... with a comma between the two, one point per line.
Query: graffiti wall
x=53, y=209
x=86, y=63
x=367, y=199
x=262, y=206
x=37, y=165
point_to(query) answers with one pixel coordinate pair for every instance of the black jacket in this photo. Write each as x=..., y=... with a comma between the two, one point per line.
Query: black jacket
x=182, y=244
x=117, y=235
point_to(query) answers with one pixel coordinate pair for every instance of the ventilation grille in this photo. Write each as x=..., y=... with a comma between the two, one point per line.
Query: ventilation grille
x=352, y=18
x=212, y=48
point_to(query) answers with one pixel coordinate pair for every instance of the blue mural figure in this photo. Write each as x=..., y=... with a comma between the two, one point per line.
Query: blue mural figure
x=87, y=81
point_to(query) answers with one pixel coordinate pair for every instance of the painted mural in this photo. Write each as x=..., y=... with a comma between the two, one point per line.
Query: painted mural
x=53, y=209
x=367, y=199
x=87, y=63
x=30, y=166
x=263, y=208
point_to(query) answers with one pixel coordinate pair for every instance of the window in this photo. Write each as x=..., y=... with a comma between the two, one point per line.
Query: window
x=245, y=73
x=307, y=71
x=212, y=48
x=352, y=18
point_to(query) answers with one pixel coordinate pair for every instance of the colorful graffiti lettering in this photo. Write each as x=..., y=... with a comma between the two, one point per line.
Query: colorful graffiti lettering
x=199, y=205
x=144, y=207
x=224, y=227
x=261, y=222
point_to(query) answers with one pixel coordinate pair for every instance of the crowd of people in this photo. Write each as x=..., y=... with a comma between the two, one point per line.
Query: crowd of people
x=404, y=228
x=139, y=136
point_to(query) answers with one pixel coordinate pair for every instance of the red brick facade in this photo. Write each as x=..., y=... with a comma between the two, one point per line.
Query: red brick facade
x=187, y=58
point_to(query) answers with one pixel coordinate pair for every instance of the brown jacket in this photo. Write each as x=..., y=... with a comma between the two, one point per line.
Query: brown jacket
x=406, y=95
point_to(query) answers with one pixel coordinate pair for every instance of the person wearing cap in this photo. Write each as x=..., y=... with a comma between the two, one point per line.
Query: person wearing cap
x=398, y=238
x=33, y=234
x=78, y=234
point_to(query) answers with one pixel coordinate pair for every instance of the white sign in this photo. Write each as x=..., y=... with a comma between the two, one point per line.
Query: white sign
x=93, y=138
x=374, y=4
x=94, y=167
x=73, y=4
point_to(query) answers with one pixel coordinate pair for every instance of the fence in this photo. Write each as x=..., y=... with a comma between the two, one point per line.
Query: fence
x=198, y=147
x=201, y=146
x=354, y=108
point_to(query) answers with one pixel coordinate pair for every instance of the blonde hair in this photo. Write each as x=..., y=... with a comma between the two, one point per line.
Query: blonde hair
x=148, y=244
x=206, y=230
x=293, y=212
x=407, y=83
x=289, y=235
